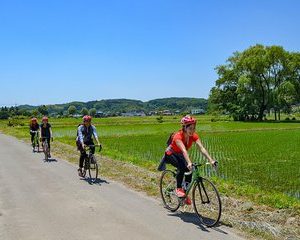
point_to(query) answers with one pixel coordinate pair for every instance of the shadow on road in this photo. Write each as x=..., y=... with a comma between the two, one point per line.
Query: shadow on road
x=189, y=217
x=98, y=181
x=50, y=160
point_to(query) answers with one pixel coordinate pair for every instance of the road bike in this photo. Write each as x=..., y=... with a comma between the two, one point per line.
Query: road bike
x=205, y=197
x=90, y=163
x=46, y=149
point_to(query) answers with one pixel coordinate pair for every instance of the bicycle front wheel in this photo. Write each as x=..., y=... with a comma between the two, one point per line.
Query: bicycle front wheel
x=46, y=150
x=206, y=202
x=168, y=190
x=93, y=169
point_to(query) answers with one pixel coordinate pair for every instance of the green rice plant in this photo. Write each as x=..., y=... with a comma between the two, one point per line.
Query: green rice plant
x=261, y=156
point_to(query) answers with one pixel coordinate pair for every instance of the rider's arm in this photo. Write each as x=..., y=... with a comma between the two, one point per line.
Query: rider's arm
x=204, y=151
x=80, y=136
x=50, y=130
x=180, y=144
x=95, y=134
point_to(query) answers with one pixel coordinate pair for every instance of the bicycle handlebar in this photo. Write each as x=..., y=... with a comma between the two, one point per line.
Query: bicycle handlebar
x=89, y=146
x=215, y=165
x=196, y=165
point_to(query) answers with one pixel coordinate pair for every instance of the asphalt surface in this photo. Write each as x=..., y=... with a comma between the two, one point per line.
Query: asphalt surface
x=47, y=200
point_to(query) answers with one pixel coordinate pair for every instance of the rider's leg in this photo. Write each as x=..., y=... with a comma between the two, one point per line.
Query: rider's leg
x=174, y=160
x=82, y=156
x=183, y=166
x=48, y=141
x=81, y=159
x=38, y=142
x=32, y=138
x=49, y=146
x=92, y=148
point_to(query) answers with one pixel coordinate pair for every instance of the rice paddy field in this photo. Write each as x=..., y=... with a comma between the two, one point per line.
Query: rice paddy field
x=262, y=155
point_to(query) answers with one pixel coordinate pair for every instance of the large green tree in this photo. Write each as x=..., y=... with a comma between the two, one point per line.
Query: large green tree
x=92, y=112
x=294, y=69
x=254, y=81
x=43, y=110
x=4, y=113
x=84, y=111
x=72, y=110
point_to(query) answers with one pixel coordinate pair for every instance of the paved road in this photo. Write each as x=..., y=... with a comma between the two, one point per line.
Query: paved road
x=43, y=201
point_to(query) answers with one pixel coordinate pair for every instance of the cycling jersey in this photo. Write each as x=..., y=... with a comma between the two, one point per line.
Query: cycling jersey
x=85, y=134
x=45, y=131
x=34, y=127
x=173, y=148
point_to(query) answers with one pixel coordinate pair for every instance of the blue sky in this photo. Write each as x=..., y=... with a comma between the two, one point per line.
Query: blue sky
x=65, y=50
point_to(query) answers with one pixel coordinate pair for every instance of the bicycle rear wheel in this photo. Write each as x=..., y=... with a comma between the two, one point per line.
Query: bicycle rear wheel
x=168, y=190
x=206, y=202
x=93, y=168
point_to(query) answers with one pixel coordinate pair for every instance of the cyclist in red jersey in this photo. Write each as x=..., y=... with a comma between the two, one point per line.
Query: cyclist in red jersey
x=177, y=152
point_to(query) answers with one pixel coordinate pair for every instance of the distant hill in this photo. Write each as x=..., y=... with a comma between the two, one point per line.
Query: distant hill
x=118, y=106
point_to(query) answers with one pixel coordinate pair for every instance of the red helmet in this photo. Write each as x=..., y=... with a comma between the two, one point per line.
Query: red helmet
x=45, y=119
x=87, y=118
x=34, y=119
x=187, y=120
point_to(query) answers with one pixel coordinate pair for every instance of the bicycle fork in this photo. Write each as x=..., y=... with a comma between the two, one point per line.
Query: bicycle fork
x=205, y=198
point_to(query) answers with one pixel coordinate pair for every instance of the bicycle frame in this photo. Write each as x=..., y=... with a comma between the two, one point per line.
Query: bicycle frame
x=89, y=154
x=44, y=140
x=199, y=186
x=196, y=177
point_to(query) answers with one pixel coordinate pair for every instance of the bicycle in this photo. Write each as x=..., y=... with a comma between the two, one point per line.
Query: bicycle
x=205, y=197
x=35, y=143
x=90, y=163
x=46, y=149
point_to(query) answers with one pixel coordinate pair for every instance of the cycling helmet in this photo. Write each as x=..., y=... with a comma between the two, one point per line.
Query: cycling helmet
x=34, y=119
x=187, y=120
x=87, y=118
x=45, y=119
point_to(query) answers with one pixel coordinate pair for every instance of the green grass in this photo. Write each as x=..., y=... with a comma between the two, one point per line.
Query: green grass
x=257, y=160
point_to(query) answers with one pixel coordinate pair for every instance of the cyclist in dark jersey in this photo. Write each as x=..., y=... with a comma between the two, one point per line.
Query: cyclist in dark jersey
x=34, y=128
x=46, y=132
x=177, y=153
x=85, y=134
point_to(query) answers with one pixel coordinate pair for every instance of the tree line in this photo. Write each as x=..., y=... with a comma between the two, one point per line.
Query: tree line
x=257, y=81
x=110, y=107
